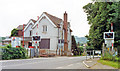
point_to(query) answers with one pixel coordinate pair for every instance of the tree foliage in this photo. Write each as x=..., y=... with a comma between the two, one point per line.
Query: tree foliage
x=100, y=16
x=14, y=32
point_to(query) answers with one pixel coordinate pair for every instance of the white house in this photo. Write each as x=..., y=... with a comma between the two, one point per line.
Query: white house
x=54, y=32
x=51, y=30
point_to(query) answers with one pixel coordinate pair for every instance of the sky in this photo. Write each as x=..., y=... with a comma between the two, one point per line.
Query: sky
x=17, y=12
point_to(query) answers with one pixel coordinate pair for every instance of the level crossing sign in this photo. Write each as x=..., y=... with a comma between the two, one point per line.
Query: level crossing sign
x=36, y=40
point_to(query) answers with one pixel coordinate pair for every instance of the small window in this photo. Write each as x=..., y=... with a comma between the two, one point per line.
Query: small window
x=59, y=41
x=62, y=41
x=30, y=33
x=44, y=28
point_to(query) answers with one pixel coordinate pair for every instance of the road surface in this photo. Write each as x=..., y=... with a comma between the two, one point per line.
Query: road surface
x=46, y=63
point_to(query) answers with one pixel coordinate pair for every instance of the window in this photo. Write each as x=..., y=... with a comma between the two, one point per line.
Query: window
x=44, y=28
x=59, y=40
x=30, y=33
x=62, y=41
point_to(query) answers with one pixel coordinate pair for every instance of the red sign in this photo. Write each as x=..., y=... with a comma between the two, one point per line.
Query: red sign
x=17, y=46
x=31, y=47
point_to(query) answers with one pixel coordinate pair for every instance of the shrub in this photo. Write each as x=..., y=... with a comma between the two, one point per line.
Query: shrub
x=110, y=57
x=13, y=53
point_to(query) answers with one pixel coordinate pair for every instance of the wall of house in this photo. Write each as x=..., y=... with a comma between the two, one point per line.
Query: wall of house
x=61, y=37
x=20, y=33
x=27, y=31
x=69, y=38
x=52, y=32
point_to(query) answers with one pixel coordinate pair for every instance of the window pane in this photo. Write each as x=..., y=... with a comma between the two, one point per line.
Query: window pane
x=46, y=28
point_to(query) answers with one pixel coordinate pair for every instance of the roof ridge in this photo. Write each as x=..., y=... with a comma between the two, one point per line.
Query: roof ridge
x=54, y=19
x=51, y=15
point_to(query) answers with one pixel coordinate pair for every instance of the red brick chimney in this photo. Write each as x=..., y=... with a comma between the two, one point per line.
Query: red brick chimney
x=65, y=34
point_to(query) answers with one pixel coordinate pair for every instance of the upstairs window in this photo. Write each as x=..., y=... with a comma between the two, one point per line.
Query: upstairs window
x=44, y=28
x=30, y=33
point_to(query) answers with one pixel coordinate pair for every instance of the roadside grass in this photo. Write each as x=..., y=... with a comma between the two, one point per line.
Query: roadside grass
x=109, y=63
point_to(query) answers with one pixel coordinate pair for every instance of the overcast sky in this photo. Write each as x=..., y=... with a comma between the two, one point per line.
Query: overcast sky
x=18, y=12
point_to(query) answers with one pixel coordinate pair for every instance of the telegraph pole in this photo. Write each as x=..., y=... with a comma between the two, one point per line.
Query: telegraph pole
x=23, y=35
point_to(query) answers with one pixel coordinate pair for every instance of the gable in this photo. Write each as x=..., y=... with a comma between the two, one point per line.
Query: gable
x=52, y=19
x=20, y=27
x=31, y=22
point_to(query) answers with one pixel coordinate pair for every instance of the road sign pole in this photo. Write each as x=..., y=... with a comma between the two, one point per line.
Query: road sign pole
x=86, y=54
x=103, y=50
x=90, y=54
x=93, y=54
x=112, y=31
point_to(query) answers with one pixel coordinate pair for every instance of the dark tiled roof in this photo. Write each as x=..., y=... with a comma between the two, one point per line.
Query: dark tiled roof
x=20, y=27
x=54, y=19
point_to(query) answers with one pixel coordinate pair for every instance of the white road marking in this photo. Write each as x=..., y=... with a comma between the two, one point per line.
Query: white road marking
x=70, y=65
x=58, y=67
x=86, y=65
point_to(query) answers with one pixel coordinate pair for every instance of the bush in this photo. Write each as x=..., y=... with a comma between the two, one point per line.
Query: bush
x=109, y=57
x=13, y=53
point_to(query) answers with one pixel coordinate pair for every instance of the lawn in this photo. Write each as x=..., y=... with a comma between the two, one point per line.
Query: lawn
x=109, y=63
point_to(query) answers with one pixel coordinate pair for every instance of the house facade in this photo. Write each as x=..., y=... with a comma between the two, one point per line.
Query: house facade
x=51, y=30
x=55, y=34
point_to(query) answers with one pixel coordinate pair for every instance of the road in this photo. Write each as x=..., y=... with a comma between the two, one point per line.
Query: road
x=46, y=63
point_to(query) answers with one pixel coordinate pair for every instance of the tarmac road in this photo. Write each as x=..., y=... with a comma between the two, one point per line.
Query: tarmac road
x=46, y=63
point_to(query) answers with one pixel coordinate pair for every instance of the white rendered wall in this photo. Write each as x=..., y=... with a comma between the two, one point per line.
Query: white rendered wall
x=52, y=32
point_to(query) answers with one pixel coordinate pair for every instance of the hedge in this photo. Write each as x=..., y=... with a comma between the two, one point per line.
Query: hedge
x=9, y=52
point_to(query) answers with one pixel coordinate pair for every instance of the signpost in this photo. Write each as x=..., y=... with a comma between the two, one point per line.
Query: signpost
x=109, y=39
x=36, y=40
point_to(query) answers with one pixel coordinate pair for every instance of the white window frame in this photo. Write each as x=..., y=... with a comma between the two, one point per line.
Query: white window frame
x=45, y=28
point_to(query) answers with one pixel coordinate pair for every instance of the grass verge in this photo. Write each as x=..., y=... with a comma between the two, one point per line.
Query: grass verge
x=109, y=63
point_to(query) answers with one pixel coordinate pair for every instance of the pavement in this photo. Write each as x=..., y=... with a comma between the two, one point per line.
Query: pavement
x=45, y=63
x=93, y=64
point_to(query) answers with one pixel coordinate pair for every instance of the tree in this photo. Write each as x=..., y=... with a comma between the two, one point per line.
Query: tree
x=100, y=15
x=74, y=46
x=14, y=32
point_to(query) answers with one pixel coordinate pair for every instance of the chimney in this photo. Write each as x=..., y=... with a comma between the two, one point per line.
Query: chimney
x=65, y=34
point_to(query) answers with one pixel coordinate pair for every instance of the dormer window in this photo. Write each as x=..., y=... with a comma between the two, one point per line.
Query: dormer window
x=44, y=28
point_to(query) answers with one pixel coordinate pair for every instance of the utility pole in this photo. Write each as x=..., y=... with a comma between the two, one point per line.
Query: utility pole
x=23, y=35
x=103, y=50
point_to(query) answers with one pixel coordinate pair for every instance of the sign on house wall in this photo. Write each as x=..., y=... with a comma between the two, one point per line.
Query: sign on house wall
x=15, y=41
